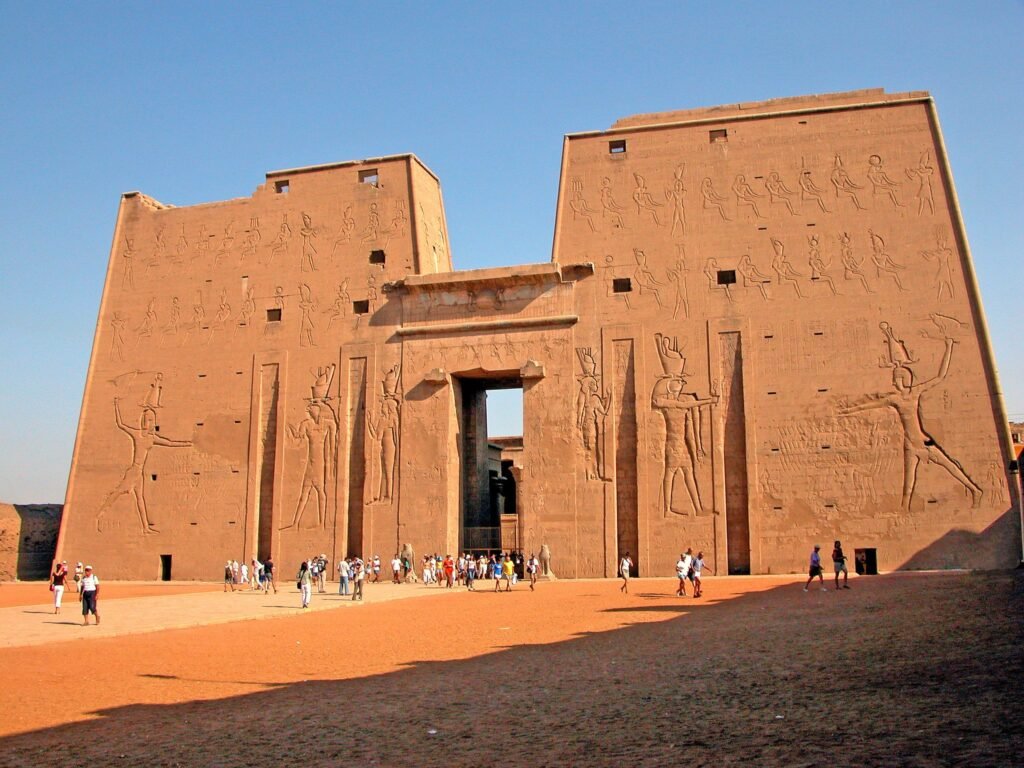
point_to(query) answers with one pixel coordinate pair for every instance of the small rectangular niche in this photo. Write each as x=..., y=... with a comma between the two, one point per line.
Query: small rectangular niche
x=361, y=307
x=775, y=450
x=826, y=447
x=622, y=285
x=718, y=135
x=238, y=373
x=769, y=335
x=801, y=122
x=377, y=257
x=153, y=478
x=772, y=392
x=193, y=523
x=823, y=389
x=199, y=423
x=201, y=375
x=811, y=224
x=157, y=427
x=762, y=229
x=370, y=176
x=238, y=421
x=195, y=474
x=281, y=187
x=777, y=509
x=830, y=506
x=726, y=277
x=274, y=315
x=617, y=147
x=819, y=333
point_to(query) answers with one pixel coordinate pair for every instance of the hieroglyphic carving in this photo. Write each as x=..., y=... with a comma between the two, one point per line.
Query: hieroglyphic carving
x=159, y=249
x=784, y=269
x=684, y=437
x=923, y=173
x=118, y=324
x=372, y=231
x=609, y=208
x=745, y=195
x=943, y=256
x=385, y=429
x=173, y=318
x=580, y=208
x=778, y=192
x=399, y=219
x=818, y=264
x=253, y=236
x=227, y=243
x=279, y=246
x=306, y=306
x=675, y=197
x=248, y=307
x=677, y=275
x=148, y=324
x=883, y=261
x=308, y=232
x=181, y=246
x=345, y=231
x=851, y=264
x=905, y=401
x=880, y=181
x=144, y=438
x=843, y=184
x=645, y=279
x=811, y=191
x=609, y=281
x=643, y=200
x=319, y=433
x=220, y=320
x=711, y=199
x=128, y=257
x=591, y=411
x=198, y=317
x=753, y=276
x=340, y=306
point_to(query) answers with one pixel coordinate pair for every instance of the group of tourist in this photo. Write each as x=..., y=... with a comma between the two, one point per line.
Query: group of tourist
x=838, y=563
x=689, y=568
x=506, y=568
x=256, y=576
x=83, y=581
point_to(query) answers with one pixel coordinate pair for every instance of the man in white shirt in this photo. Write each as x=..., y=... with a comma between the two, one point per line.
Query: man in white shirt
x=683, y=571
x=89, y=592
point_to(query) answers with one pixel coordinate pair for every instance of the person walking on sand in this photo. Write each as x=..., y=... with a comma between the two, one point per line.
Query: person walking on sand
x=683, y=572
x=79, y=573
x=815, y=569
x=229, y=577
x=344, y=574
x=531, y=568
x=696, y=567
x=89, y=595
x=396, y=569
x=58, y=580
x=508, y=570
x=305, y=583
x=839, y=562
x=625, y=564
x=268, y=571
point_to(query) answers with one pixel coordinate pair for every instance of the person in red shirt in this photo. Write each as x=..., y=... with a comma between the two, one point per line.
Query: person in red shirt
x=449, y=571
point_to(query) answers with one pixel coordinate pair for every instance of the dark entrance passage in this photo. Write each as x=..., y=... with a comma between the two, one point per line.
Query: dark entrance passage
x=165, y=567
x=488, y=507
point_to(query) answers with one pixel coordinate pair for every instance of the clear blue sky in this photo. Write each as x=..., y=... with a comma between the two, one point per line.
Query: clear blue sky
x=193, y=102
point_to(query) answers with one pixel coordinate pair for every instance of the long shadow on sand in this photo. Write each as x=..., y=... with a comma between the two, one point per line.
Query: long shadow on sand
x=904, y=670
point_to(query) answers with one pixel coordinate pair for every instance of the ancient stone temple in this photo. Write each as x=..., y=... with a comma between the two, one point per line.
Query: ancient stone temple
x=759, y=330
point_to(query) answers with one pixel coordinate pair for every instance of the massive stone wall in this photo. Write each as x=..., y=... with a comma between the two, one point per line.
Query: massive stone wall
x=759, y=329
x=28, y=539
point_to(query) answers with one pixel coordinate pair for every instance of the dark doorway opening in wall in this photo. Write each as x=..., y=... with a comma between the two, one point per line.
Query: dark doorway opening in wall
x=490, y=427
x=866, y=561
x=165, y=567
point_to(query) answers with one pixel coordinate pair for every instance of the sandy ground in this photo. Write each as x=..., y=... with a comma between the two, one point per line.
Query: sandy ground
x=907, y=669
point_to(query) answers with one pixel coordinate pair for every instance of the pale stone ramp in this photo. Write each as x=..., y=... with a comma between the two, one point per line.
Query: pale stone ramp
x=26, y=625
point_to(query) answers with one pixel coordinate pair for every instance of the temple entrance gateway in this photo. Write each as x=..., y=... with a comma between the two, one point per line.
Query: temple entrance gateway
x=487, y=492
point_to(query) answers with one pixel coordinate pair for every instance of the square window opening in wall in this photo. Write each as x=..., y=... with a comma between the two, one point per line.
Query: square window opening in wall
x=370, y=177
x=622, y=285
x=727, y=277
x=377, y=257
x=282, y=187
x=274, y=315
x=718, y=135
x=361, y=307
x=617, y=147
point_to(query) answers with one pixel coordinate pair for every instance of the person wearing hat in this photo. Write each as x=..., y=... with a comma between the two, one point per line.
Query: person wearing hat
x=79, y=572
x=815, y=569
x=89, y=594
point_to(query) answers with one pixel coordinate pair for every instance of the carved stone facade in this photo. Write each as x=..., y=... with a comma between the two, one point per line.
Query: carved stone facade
x=759, y=330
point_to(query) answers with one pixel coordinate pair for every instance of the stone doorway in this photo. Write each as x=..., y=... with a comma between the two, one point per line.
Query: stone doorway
x=487, y=521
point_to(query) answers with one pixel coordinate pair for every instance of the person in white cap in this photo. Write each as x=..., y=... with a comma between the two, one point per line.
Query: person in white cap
x=89, y=594
x=815, y=569
x=78, y=577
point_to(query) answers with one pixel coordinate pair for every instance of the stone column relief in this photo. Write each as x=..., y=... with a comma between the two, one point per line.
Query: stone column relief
x=144, y=438
x=591, y=410
x=384, y=429
x=319, y=433
x=905, y=401
x=685, y=446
